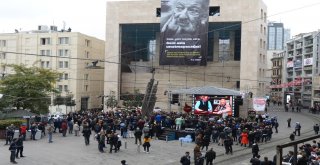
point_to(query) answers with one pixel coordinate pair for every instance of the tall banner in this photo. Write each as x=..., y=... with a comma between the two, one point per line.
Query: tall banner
x=184, y=32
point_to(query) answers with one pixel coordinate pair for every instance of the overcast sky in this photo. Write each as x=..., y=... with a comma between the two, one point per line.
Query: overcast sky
x=88, y=16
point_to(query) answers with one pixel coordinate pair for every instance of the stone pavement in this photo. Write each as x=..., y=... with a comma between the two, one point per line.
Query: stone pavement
x=71, y=150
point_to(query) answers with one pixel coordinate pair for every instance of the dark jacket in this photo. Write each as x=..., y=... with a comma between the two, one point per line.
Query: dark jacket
x=210, y=155
x=185, y=160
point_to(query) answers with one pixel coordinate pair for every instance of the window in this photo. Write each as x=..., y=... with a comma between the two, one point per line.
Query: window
x=86, y=54
x=86, y=76
x=261, y=14
x=85, y=87
x=48, y=64
x=214, y=11
x=60, y=77
x=66, y=89
x=3, y=43
x=64, y=40
x=2, y=55
x=60, y=64
x=158, y=12
x=265, y=17
x=66, y=76
x=45, y=41
x=64, y=52
x=60, y=88
x=261, y=29
x=42, y=64
x=66, y=64
x=87, y=43
x=45, y=52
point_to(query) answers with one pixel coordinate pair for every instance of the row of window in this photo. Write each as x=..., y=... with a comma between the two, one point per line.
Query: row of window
x=47, y=64
x=61, y=52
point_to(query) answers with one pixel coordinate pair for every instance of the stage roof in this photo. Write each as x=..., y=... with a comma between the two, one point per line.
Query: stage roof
x=207, y=90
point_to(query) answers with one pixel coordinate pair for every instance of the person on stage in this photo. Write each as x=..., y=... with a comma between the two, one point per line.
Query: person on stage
x=203, y=105
x=223, y=108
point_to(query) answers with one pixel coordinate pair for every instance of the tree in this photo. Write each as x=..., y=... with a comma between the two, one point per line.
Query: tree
x=111, y=101
x=28, y=88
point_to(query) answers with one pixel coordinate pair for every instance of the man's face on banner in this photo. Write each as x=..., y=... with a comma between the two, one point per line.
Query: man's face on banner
x=222, y=102
x=205, y=98
x=187, y=14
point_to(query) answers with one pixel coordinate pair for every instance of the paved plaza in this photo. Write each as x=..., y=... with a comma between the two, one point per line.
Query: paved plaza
x=71, y=150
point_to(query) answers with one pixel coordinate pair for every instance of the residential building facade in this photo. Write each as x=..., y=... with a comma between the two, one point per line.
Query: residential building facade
x=302, y=67
x=64, y=51
x=236, y=57
x=276, y=93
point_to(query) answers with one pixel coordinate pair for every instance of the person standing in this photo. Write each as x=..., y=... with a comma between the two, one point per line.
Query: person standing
x=255, y=150
x=185, y=160
x=228, y=142
x=113, y=142
x=50, y=130
x=289, y=122
x=19, y=146
x=244, y=138
x=12, y=149
x=64, y=128
x=23, y=131
x=34, y=130
x=101, y=140
x=86, y=133
x=316, y=129
x=178, y=123
x=210, y=156
x=76, y=129
x=297, y=128
x=137, y=135
x=9, y=134
x=276, y=125
x=292, y=136
x=146, y=144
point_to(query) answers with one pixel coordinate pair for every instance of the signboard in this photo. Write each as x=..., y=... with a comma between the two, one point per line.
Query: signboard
x=213, y=101
x=297, y=64
x=184, y=32
x=259, y=104
x=307, y=61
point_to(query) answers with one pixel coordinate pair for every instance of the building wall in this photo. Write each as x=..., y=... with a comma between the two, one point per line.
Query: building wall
x=249, y=71
x=299, y=49
x=26, y=48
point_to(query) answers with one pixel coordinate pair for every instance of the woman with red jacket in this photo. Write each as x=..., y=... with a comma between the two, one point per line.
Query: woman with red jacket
x=244, y=138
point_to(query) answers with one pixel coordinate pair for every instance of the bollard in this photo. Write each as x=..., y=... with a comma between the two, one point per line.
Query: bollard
x=138, y=149
x=181, y=142
x=125, y=145
x=167, y=139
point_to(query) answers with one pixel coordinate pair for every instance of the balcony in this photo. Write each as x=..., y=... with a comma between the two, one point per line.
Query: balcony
x=307, y=68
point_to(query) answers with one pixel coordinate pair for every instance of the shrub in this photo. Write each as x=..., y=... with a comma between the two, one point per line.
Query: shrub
x=8, y=122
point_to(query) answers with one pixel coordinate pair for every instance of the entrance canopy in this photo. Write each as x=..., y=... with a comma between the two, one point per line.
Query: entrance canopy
x=207, y=90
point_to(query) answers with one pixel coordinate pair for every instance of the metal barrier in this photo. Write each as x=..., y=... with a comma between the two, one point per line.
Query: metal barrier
x=295, y=147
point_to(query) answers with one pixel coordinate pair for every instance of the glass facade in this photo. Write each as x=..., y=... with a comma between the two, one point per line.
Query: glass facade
x=139, y=41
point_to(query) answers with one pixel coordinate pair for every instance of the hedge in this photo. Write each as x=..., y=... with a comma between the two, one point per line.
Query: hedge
x=8, y=122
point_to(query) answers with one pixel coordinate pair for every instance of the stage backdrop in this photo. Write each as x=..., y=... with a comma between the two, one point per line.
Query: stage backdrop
x=184, y=32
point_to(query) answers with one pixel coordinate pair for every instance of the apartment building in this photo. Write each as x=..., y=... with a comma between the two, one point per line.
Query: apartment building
x=302, y=68
x=276, y=92
x=67, y=52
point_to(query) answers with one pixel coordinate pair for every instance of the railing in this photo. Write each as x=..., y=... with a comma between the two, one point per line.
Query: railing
x=295, y=150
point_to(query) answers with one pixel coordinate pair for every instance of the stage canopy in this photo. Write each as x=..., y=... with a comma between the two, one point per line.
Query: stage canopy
x=206, y=90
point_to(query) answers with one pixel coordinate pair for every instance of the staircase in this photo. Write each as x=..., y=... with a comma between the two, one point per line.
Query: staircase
x=167, y=133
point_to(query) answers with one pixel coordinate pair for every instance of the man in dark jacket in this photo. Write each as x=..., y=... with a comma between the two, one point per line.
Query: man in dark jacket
x=255, y=150
x=19, y=144
x=86, y=133
x=12, y=149
x=113, y=142
x=255, y=160
x=137, y=135
x=210, y=156
x=185, y=160
x=316, y=129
